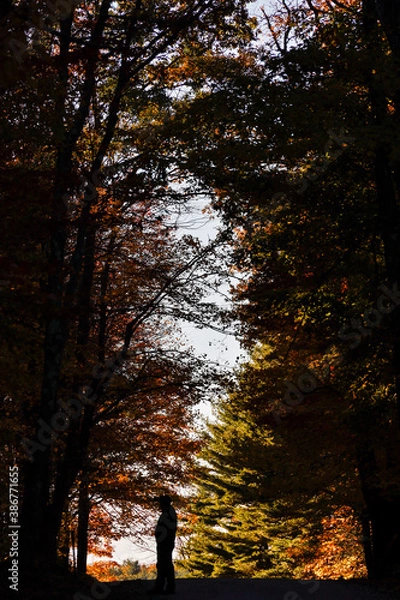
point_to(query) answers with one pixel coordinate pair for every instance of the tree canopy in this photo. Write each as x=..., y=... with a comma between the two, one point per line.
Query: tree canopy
x=116, y=117
x=94, y=278
x=304, y=161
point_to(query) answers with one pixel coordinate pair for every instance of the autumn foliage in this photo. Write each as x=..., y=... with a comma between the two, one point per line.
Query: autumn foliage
x=120, y=119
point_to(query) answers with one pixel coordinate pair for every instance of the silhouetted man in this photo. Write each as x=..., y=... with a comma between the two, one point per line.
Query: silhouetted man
x=165, y=539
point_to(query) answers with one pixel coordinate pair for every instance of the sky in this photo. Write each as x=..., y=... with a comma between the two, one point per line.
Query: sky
x=221, y=348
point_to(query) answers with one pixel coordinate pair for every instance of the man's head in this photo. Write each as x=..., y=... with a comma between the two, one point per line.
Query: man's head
x=164, y=501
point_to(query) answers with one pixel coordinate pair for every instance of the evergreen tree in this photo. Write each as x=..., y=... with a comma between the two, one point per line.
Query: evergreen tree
x=266, y=490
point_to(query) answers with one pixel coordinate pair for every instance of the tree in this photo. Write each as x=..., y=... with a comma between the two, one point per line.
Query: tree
x=274, y=498
x=94, y=73
x=143, y=444
x=303, y=155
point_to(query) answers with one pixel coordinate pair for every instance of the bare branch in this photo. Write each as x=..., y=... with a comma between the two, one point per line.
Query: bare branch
x=272, y=32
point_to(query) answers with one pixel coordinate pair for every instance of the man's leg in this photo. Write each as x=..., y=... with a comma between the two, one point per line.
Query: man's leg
x=170, y=575
x=162, y=568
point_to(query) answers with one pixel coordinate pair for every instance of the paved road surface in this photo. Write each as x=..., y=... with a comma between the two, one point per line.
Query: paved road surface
x=252, y=589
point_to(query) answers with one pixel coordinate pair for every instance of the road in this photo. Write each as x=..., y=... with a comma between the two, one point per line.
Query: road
x=252, y=589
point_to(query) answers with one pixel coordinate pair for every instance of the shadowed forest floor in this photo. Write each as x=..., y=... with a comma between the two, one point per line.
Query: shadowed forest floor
x=254, y=589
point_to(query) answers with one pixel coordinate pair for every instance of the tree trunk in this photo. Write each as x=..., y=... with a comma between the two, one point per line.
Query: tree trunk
x=83, y=524
x=381, y=522
x=381, y=487
x=37, y=538
x=367, y=542
x=39, y=521
x=34, y=512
